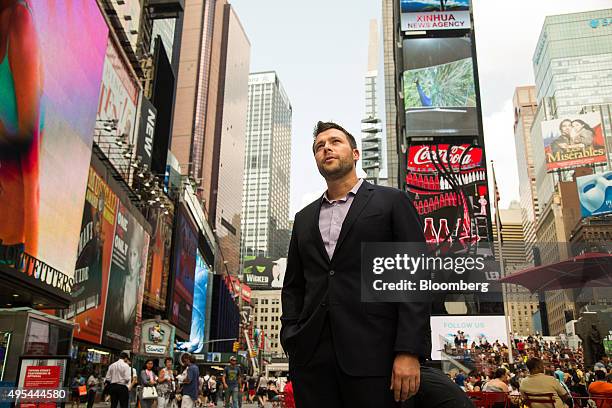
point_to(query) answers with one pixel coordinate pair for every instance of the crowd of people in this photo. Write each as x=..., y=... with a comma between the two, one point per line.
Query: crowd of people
x=168, y=387
x=538, y=367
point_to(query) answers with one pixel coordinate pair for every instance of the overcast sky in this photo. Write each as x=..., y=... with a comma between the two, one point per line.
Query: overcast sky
x=319, y=50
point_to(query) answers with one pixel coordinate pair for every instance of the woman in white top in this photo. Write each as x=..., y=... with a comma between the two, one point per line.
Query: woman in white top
x=165, y=385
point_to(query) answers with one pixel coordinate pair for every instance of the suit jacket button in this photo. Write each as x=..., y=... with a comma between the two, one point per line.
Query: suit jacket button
x=332, y=272
x=323, y=304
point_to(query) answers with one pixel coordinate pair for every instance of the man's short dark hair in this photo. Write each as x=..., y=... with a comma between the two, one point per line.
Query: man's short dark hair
x=499, y=373
x=124, y=355
x=535, y=363
x=323, y=126
x=168, y=359
x=600, y=375
x=187, y=358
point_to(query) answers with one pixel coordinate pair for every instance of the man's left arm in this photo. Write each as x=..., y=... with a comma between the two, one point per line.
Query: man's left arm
x=413, y=338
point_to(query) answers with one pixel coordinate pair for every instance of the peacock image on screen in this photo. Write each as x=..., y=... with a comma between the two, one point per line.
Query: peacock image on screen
x=449, y=85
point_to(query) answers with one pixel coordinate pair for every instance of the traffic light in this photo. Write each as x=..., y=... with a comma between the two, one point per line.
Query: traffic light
x=236, y=346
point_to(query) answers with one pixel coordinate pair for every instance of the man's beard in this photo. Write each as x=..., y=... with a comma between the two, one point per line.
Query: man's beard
x=336, y=173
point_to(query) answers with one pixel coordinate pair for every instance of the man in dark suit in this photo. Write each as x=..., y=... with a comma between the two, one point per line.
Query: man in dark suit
x=344, y=352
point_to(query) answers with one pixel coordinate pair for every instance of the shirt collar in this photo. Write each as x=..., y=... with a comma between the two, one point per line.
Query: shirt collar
x=343, y=199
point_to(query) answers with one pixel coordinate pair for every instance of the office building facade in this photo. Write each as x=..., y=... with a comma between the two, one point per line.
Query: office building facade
x=573, y=63
x=209, y=126
x=518, y=302
x=267, y=168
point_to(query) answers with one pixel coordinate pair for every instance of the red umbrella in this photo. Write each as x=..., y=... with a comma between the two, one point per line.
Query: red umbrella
x=587, y=270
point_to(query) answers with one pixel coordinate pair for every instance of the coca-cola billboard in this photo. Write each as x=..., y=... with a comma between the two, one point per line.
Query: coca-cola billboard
x=448, y=187
x=429, y=158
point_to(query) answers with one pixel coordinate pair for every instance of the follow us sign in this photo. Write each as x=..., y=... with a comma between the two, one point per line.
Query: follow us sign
x=600, y=22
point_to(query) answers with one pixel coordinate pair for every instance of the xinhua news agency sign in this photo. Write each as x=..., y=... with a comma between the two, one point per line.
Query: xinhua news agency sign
x=600, y=22
x=436, y=20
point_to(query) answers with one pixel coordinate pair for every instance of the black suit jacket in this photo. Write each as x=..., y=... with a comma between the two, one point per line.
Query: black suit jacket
x=366, y=336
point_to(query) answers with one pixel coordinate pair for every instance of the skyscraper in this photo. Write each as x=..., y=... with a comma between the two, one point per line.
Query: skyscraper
x=519, y=304
x=371, y=126
x=525, y=106
x=211, y=103
x=267, y=168
x=573, y=63
x=392, y=89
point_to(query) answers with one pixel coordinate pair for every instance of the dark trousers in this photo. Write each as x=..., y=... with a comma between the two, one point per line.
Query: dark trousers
x=91, y=397
x=119, y=395
x=321, y=383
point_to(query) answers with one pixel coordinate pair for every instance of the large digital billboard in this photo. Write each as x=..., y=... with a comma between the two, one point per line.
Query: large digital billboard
x=595, y=193
x=118, y=100
x=126, y=280
x=198, y=316
x=478, y=329
x=438, y=87
x=416, y=6
x=185, y=247
x=448, y=187
x=573, y=141
x=46, y=130
x=158, y=264
x=263, y=272
x=94, y=258
x=435, y=14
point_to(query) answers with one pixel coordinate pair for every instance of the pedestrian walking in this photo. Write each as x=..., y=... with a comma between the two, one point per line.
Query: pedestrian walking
x=93, y=387
x=165, y=385
x=148, y=384
x=77, y=387
x=190, y=381
x=243, y=390
x=133, y=386
x=212, y=386
x=119, y=376
x=321, y=295
x=232, y=381
x=252, y=383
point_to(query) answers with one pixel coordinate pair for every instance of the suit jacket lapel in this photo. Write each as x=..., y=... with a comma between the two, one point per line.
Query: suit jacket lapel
x=359, y=202
x=317, y=232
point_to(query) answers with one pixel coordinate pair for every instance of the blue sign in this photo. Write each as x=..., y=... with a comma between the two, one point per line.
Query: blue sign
x=595, y=193
x=198, y=315
x=600, y=22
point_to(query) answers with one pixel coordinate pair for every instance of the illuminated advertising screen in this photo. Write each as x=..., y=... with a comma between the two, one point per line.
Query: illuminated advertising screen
x=263, y=272
x=186, y=244
x=474, y=329
x=438, y=87
x=595, y=193
x=422, y=15
x=118, y=101
x=158, y=264
x=198, y=316
x=126, y=277
x=416, y=6
x=448, y=187
x=46, y=131
x=94, y=258
x=573, y=141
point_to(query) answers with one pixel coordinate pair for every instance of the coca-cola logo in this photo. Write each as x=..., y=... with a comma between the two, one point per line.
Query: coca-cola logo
x=458, y=157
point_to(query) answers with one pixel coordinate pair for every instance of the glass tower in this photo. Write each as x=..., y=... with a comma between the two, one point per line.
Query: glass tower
x=267, y=168
x=573, y=63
